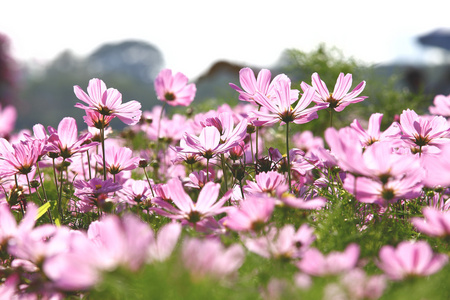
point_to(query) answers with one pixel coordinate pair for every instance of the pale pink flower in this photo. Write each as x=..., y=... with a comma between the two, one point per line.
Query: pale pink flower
x=285, y=243
x=122, y=241
x=135, y=192
x=420, y=131
x=410, y=259
x=306, y=141
x=373, y=133
x=118, y=159
x=208, y=144
x=65, y=141
x=252, y=215
x=356, y=285
x=18, y=158
x=108, y=102
x=340, y=98
x=441, y=106
x=173, y=89
x=206, y=205
x=162, y=244
x=265, y=183
x=281, y=108
x=435, y=222
x=95, y=192
x=315, y=263
x=374, y=191
x=209, y=258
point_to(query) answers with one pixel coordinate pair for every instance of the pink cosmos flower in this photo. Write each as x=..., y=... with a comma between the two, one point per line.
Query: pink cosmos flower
x=419, y=131
x=252, y=85
x=208, y=143
x=356, y=285
x=18, y=158
x=306, y=141
x=108, y=102
x=136, y=191
x=410, y=259
x=210, y=258
x=280, y=107
x=122, y=241
x=436, y=222
x=65, y=141
x=441, y=106
x=265, y=183
x=285, y=243
x=118, y=159
x=316, y=264
x=373, y=133
x=206, y=205
x=173, y=89
x=340, y=98
x=94, y=192
x=252, y=215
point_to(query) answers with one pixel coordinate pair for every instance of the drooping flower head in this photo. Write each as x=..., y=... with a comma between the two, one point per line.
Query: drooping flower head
x=107, y=102
x=173, y=89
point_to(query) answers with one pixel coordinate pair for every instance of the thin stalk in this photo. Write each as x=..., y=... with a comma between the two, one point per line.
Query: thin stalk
x=149, y=183
x=207, y=170
x=222, y=158
x=54, y=175
x=42, y=182
x=60, y=190
x=89, y=164
x=287, y=156
x=102, y=139
x=331, y=117
x=20, y=202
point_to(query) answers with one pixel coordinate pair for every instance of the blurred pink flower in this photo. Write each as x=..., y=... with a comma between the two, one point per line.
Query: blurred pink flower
x=252, y=214
x=315, y=263
x=8, y=116
x=410, y=259
x=162, y=244
x=441, y=106
x=108, y=102
x=340, y=98
x=173, y=89
x=209, y=258
x=284, y=243
x=435, y=222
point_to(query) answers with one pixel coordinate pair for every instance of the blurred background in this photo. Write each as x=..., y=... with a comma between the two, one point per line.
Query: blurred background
x=47, y=47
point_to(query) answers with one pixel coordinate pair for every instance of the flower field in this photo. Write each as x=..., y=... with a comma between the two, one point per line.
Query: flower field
x=231, y=203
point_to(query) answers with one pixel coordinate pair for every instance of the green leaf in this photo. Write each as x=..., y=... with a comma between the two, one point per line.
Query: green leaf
x=42, y=210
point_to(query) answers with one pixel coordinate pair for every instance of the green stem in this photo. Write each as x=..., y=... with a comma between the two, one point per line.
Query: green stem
x=60, y=190
x=89, y=164
x=102, y=139
x=287, y=156
x=224, y=171
x=207, y=170
x=149, y=183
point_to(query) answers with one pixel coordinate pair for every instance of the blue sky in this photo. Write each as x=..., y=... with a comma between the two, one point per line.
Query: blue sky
x=193, y=34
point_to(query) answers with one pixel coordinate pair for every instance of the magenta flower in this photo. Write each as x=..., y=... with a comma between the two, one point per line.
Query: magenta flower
x=118, y=159
x=436, y=222
x=340, y=98
x=209, y=258
x=252, y=215
x=316, y=264
x=65, y=141
x=410, y=259
x=280, y=107
x=173, y=89
x=108, y=102
x=206, y=205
